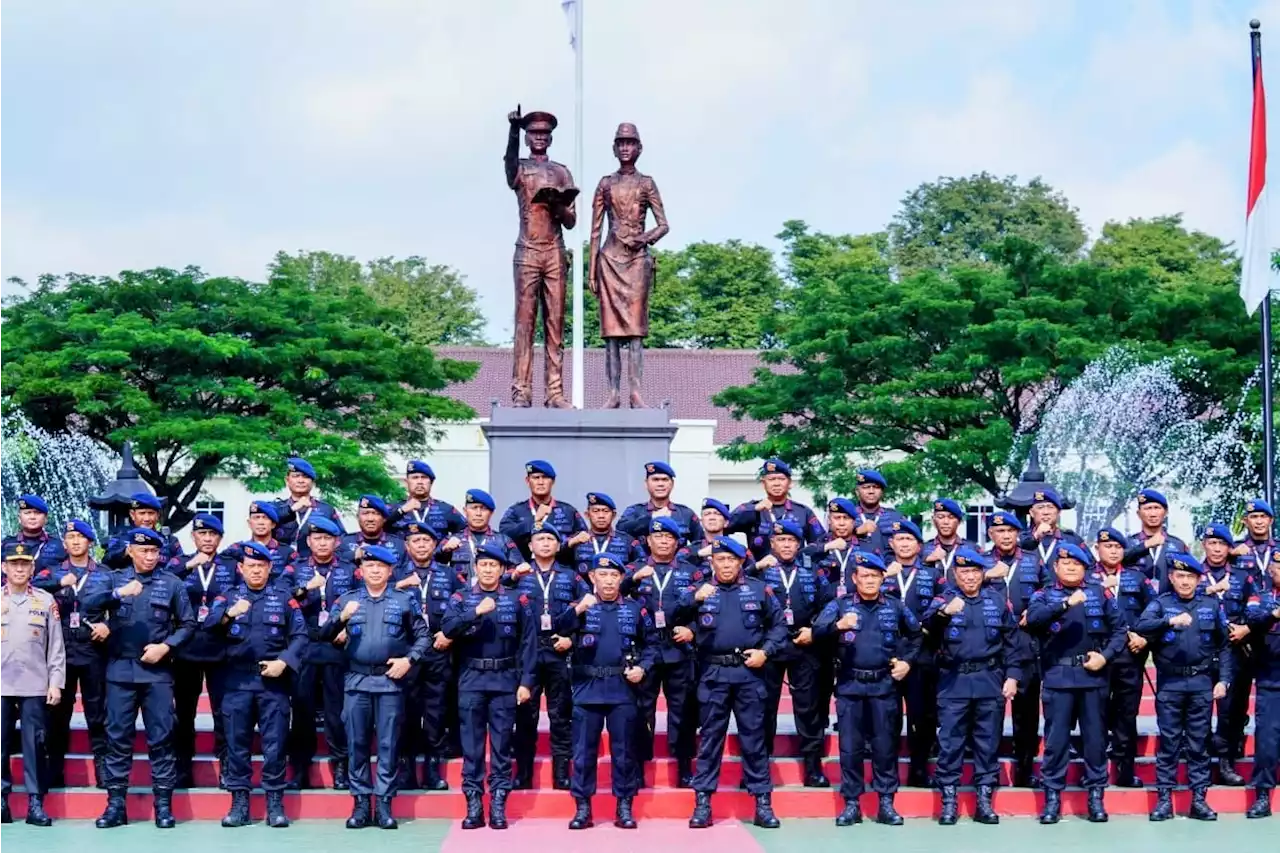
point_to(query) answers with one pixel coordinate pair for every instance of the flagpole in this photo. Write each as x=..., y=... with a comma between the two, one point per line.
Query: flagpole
x=1268, y=410
x=579, y=380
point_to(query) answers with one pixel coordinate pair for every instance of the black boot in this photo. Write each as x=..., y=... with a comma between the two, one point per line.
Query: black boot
x=623, y=818
x=100, y=772
x=1261, y=804
x=950, y=813
x=276, y=818
x=1097, y=808
x=383, y=814
x=1052, y=811
x=684, y=773
x=1164, y=806
x=475, y=811
x=164, y=810
x=984, y=812
x=701, y=818
x=813, y=775
x=850, y=814
x=918, y=777
x=340, y=780
x=185, y=777
x=6, y=816
x=407, y=778
x=560, y=773
x=1199, y=808
x=301, y=778
x=887, y=814
x=1227, y=774
x=35, y=811
x=765, y=818
x=359, y=813
x=431, y=778
x=498, y=810
x=115, y=813
x=642, y=774
x=1125, y=777
x=524, y=776
x=582, y=814
x=238, y=815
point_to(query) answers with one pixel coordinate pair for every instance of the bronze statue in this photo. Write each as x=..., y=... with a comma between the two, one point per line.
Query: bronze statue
x=545, y=196
x=620, y=272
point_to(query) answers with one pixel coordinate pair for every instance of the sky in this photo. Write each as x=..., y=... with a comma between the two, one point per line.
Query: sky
x=142, y=133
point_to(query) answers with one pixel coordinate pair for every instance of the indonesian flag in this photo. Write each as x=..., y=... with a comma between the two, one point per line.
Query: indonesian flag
x=1255, y=275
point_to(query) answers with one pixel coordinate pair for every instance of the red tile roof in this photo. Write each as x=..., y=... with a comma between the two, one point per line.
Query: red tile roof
x=686, y=377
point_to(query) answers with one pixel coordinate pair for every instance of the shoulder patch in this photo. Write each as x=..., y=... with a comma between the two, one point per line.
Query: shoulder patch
x=293, y=602
x=457, y=596
x=524, y=600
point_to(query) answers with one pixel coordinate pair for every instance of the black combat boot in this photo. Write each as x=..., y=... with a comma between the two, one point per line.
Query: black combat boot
x=582, y=814
x=340, y=780
x=1052, y=811
x=359, y=813
x=238, y=815
x=1261, y=804
x=985, y=812
x=383, y=814
x=1097, y=808
x=100, y=772
x=301, y=778
x=1125, y=777
x=276, y=818
x=6, y=816
x=560, y=774
x=498, y=810
x=164, y=810
x=115, y=813
x=1164, y=805
x=642, y=774
x=431, y=778
x=701, y=818
x=850, y=814
x=813, y=775
x=1199, y=808
x=1227, y=774
x=475, y=811
x=407, y=778
x=35, y=811
x=887, y=814
x=950, y=813
x=765, y=818
x=684, y=773
x=623, y=817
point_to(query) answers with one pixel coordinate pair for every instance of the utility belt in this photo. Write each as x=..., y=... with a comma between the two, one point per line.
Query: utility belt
x=724, y=660
x=368, y=669
x=1073, y=660
x=865, y=675
x=598, y=671
x=1188, y=671
x=966, y=666
x=490, y=664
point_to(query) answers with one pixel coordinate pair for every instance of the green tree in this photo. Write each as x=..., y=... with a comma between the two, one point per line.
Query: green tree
x=210, y=375
x=1167, y=251
x=430, y=304
x=958, y=220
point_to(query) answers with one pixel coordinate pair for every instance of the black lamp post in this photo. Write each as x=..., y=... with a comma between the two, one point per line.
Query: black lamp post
x=1020, y=498
x=117, y=497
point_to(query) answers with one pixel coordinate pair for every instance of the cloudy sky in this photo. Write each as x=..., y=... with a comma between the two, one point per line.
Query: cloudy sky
x=143, y=133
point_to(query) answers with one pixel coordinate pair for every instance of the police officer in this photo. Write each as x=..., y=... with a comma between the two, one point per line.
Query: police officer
x=144, y=511
x=977, y=671
x=419, y=506
x=873, y=517
x=478, y=509
x=205, y=576
x=1080, y=631
x=150, y=619
x=614, y=644
x=33, y=672
x=84, y=634
x=322, y=577
x=1188, y=633
x=1232, y=581
x=802, y=592
x=739, y=627
x=1133, y=592
x=385, y=637
x=264, y=517
x=302, y=506
x=33, y=515
x=877, y=639
x=261, y=626
x=756, y=519
x=716, y=520
x=1264, y=620
x=1259, y=541
x=834, y=551
x=551, y=588
x=521, y=519
x=1152, y=546
x=600, y=537
x=941, y=549
x=658, y=583
x=496, y=637
x=371, y=516
x=659, y=481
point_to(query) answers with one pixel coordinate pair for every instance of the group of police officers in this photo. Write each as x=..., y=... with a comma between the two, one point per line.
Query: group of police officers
x=429, y=633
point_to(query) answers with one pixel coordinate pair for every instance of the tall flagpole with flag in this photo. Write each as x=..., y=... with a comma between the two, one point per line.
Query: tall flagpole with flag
x=1255, y=273
x=573, y=12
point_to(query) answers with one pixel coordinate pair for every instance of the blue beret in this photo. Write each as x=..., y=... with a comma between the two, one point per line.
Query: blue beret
x=949, y=505
x=788, y=527
x=33, y=502
x=378, y=553
x=265, y=508
x=144, y=536
x=725, y=545
x=1185, y=563
x=968, y=558
x=492, y=550
x=1151, y=496
x=775, y=466
x=843, y=505
x=870, y=476
x=1110, y=534
x=205, y=521
x=868, y=559
x=14, y=550
x=601, y=499
x=421, y=528
x=144, y=500
x=479, y=496
x=1004, y=519
x=539, y=466
x=659, y=468
x=1075, y=552
x=323, y=525
x=1218, y=531
x=1047, y=496
x=665, y=524
x=712, y=503
x=902, y=525
x=606, y=561
x=254, y=551
x=301, y=466
x=376, y=504
x=1258, y=505
x=417, y=466
x=84, y=528
x=546, y=527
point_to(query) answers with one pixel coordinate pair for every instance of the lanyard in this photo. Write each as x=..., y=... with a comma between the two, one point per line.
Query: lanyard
x=324, y=587
x=662, y=584
x=419, y=515
x=1263, y=556
x=471, y=555
x=911, y=579
x=788, y=581
x=597, y=547
x=546, y=587
x=1156, y=553
x=842, y=557
x=302, y=520
x=205, y=579
x=1045, y=555
x=426, y=587
x=1226, y=573
x=948, y=558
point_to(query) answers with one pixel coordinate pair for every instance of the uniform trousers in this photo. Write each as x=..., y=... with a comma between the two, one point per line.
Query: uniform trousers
x=969, y=722
x=1266, y=753
x=589, y=721
x=90, y=680
x=801, y=672
x=30, y=711
x=679, y=683
x=1063, y=709
x=242, y=710
x=863, y=721
x=491, y=713
x=1183, y=719
x=189, y=680
x=746, y=701
x=367, y=715
x=426, y=709
x=155, y=698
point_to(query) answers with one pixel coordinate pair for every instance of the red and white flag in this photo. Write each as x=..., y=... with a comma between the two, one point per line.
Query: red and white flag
x=1255, y=273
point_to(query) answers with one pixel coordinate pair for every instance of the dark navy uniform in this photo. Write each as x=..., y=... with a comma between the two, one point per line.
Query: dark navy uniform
x=440, y=515
x=1265, y=623
x=463, y=558
x=883, y=517
x=1153, y=562
x=292, y=527
x=518, y=522
x=758, y=526
x=116, y=556
x=48, y=549
x=353, y=542
x=635, y=520
x=1241, y=576
x=283, y=556
x=623, y=547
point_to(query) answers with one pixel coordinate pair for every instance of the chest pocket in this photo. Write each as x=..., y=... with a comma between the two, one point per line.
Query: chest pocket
x=1095, y=613
x=273, y=617
x=357, y=622
x=506, y=618
x=158, y=601
x=709, y=612
x=393, y=622
x=751, y=614
x=991, y=620
x=888, y=628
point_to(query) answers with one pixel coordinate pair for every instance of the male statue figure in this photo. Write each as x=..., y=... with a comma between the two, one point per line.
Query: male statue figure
x=545, y=196
x=621, y=271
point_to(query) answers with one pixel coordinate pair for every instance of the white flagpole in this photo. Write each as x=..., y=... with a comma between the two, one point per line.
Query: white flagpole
x=584, y=216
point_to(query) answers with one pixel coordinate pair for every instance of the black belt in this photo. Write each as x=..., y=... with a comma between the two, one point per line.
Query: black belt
x=598, y=671
x=866, y=674
x=1187, y=671
x=490, y=664
x=967, y=666
x=725, y=660
x=1074, y=660
x=367, y=669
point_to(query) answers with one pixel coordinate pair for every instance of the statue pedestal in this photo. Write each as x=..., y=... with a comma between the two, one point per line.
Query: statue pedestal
x=593, y=450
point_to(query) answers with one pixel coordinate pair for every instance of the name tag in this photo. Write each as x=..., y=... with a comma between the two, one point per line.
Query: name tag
x=203, y=613
x=659, y=619
x=74, y=620
x=788, y=616
x=545, y=622
x=841, y=591
x=324, y=617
